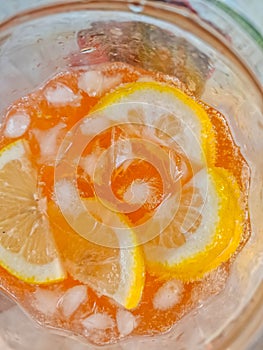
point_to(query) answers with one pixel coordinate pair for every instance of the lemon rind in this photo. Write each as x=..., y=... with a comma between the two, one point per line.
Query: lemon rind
x=15, y=263
x=13, y=151
x=225, y=238
x=207, y=134
x=17, y=266
x=130, y=290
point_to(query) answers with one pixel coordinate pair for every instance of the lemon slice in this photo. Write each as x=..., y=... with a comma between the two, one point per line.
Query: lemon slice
x=27, y=248
x=115, y=269
x=170, y=114
x=216, y=233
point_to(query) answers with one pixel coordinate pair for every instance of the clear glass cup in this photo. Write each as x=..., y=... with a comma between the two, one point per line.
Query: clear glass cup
x=219, y=56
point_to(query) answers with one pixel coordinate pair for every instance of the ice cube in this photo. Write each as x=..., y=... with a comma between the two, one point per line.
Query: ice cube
x=72, y=299
x=94, y=83
x=17, y=125
x=121, y=151
x=89, y=163
x=46, y=301
x=91, y=82
x=61, y=95
x=68, y=198
x=98, y=321
x=48, y=141
x=137, y=192
x=168, y=295
x=126, y=322
x=94, y=126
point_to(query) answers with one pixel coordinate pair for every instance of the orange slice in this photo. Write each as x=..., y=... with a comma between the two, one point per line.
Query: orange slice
x=188, y=253
x=143, y=138
x=27, y=248
x=115, y=269
x=170, y=115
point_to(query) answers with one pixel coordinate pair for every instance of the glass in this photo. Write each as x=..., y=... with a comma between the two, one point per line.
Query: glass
x=225, y=69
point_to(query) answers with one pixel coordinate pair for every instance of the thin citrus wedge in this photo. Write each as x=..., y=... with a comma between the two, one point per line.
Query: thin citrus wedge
x=188, y=252
x=27, y=248
x=115, y=269
x=161, y=112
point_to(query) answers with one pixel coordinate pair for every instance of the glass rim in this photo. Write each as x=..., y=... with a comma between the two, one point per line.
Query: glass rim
x=236, y=15
x=241, y=20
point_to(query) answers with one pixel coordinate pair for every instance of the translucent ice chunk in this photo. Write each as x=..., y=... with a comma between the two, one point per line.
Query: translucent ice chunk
x=168, y=295
x=48, y=141
x=46, y=301
x=72, y=299
x=93, y=126
x=98, y=321
x=61, y=95
x=94, y=83
x=126, y=322
x=121, y=151
x=137, y=192
x=89, y=163
x=68, y=198
x=17, y=125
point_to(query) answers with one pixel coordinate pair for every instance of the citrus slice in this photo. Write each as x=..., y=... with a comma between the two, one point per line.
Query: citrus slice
x=27, y=248
x=116, y=269
x=162, y=113
x=188, y=252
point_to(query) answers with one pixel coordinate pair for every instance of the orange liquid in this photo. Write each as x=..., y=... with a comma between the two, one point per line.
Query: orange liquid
x=45, y=116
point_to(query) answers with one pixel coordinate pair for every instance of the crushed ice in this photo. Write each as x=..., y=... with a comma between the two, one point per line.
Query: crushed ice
x=98, y=321
x=94, y=126
x=46, y=301
x=126, y=322
x=61, y=95
x=88, y=163
x=72, y=299
x=67, y=196
x=95, y=83
x=48, y=141
x=168, y=295
x=137, y=192
x=121, y=151
x=17, y=125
